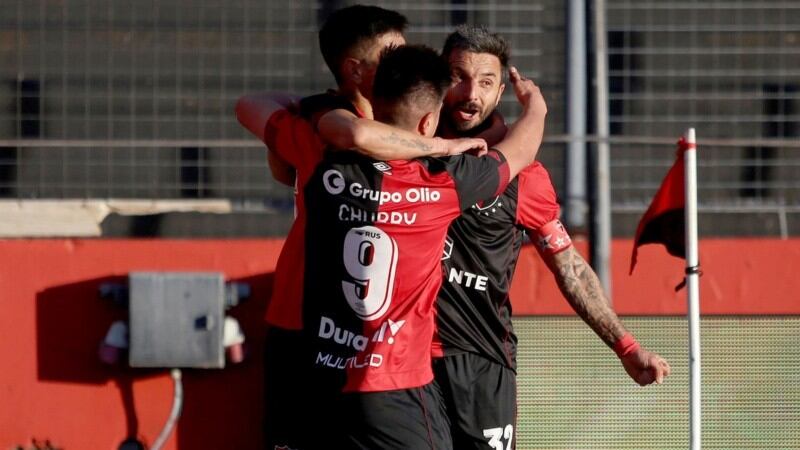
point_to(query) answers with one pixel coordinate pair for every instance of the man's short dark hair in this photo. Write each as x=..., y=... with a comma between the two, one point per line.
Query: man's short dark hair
x=347, y=28
x=477, y=40
x=409, y=76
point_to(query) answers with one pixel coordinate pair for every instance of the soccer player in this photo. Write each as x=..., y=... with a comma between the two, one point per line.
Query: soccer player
x=374, y=238
x=477, y=374
x=351, y=41
x=478, y=371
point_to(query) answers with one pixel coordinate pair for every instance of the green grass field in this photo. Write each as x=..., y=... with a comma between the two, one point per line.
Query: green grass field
x=574, y=394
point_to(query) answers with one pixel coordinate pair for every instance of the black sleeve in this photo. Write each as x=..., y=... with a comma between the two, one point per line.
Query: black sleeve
x=476, y=178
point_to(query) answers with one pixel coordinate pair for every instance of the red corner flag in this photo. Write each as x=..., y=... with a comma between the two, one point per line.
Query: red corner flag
x=664, y=220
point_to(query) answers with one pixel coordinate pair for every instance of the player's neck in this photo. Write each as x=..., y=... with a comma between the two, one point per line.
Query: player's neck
x=363, y=105
x=358, y=100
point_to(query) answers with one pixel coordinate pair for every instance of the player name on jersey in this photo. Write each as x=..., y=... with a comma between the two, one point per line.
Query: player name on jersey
x=348, y=213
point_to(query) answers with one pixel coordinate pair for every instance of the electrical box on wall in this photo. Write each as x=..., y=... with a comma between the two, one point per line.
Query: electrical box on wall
x=176, y=319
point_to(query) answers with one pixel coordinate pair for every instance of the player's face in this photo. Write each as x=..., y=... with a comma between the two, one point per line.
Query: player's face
x=372, y=56
x=475, y=93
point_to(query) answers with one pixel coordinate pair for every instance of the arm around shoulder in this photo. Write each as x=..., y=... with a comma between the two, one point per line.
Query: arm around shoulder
x=254, y=110
x=524, y=137
x=343, y=129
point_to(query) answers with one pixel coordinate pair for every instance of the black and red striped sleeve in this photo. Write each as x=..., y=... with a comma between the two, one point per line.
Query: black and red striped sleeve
x=477, y=178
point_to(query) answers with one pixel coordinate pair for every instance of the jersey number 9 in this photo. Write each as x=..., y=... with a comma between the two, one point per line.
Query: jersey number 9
x=370, y=259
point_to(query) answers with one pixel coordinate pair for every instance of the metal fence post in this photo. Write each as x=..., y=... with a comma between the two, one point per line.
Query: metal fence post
x=601, y=208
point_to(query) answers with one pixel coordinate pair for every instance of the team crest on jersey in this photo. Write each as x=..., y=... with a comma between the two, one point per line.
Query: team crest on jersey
x=383, y=167
x=487, y=208
x=448, y=249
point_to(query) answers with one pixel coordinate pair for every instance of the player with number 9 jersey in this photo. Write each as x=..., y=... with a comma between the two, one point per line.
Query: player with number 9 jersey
x=374, y=239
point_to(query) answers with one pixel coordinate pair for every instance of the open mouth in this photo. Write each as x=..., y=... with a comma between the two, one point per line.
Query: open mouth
x=467, y=114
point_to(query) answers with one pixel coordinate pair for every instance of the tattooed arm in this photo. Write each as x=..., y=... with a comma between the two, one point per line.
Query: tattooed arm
x=583, y=291
x=580, y=285
x=343, y=129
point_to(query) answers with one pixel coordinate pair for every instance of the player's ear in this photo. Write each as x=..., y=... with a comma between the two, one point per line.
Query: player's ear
x=352, y=70
x=427, y=124
x=500, y=94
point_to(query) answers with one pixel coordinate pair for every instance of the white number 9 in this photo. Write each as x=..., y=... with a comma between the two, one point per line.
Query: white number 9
x=370, y=258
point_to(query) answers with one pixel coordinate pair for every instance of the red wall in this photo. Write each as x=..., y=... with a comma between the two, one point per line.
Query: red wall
x=53, y=387
x=740, y=276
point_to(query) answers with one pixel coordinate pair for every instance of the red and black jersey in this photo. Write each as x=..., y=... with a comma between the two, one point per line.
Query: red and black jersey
x=294, y=137
x=374, y=237
x=474, y=310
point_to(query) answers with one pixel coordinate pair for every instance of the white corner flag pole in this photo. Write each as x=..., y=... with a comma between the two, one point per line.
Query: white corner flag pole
x=692, y=288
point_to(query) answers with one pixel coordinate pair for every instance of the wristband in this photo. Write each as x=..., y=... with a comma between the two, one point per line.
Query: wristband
x=625, y=345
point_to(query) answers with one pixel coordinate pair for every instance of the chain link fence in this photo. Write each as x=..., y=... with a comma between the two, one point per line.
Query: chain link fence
x=135, y=100
x=729, y=69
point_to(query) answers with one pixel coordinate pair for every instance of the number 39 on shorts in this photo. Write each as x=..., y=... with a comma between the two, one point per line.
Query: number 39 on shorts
x=370, y=259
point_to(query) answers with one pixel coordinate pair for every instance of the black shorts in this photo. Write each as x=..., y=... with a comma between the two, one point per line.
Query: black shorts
x=480, y=396
x=285, y=402
x=304, y=409
x=408, y=419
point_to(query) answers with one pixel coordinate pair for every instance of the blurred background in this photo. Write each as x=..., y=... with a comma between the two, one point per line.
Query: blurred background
x=134, y=100
x=116, y=120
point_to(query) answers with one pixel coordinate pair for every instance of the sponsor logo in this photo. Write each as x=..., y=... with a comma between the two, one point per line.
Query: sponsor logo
x=470, y=280
x=334, y=183
x=448, y=249
x=383, y=167
x=413, y=195
x=330, y=331
x=394, y=328
x=353, y=362
x=333, y=180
